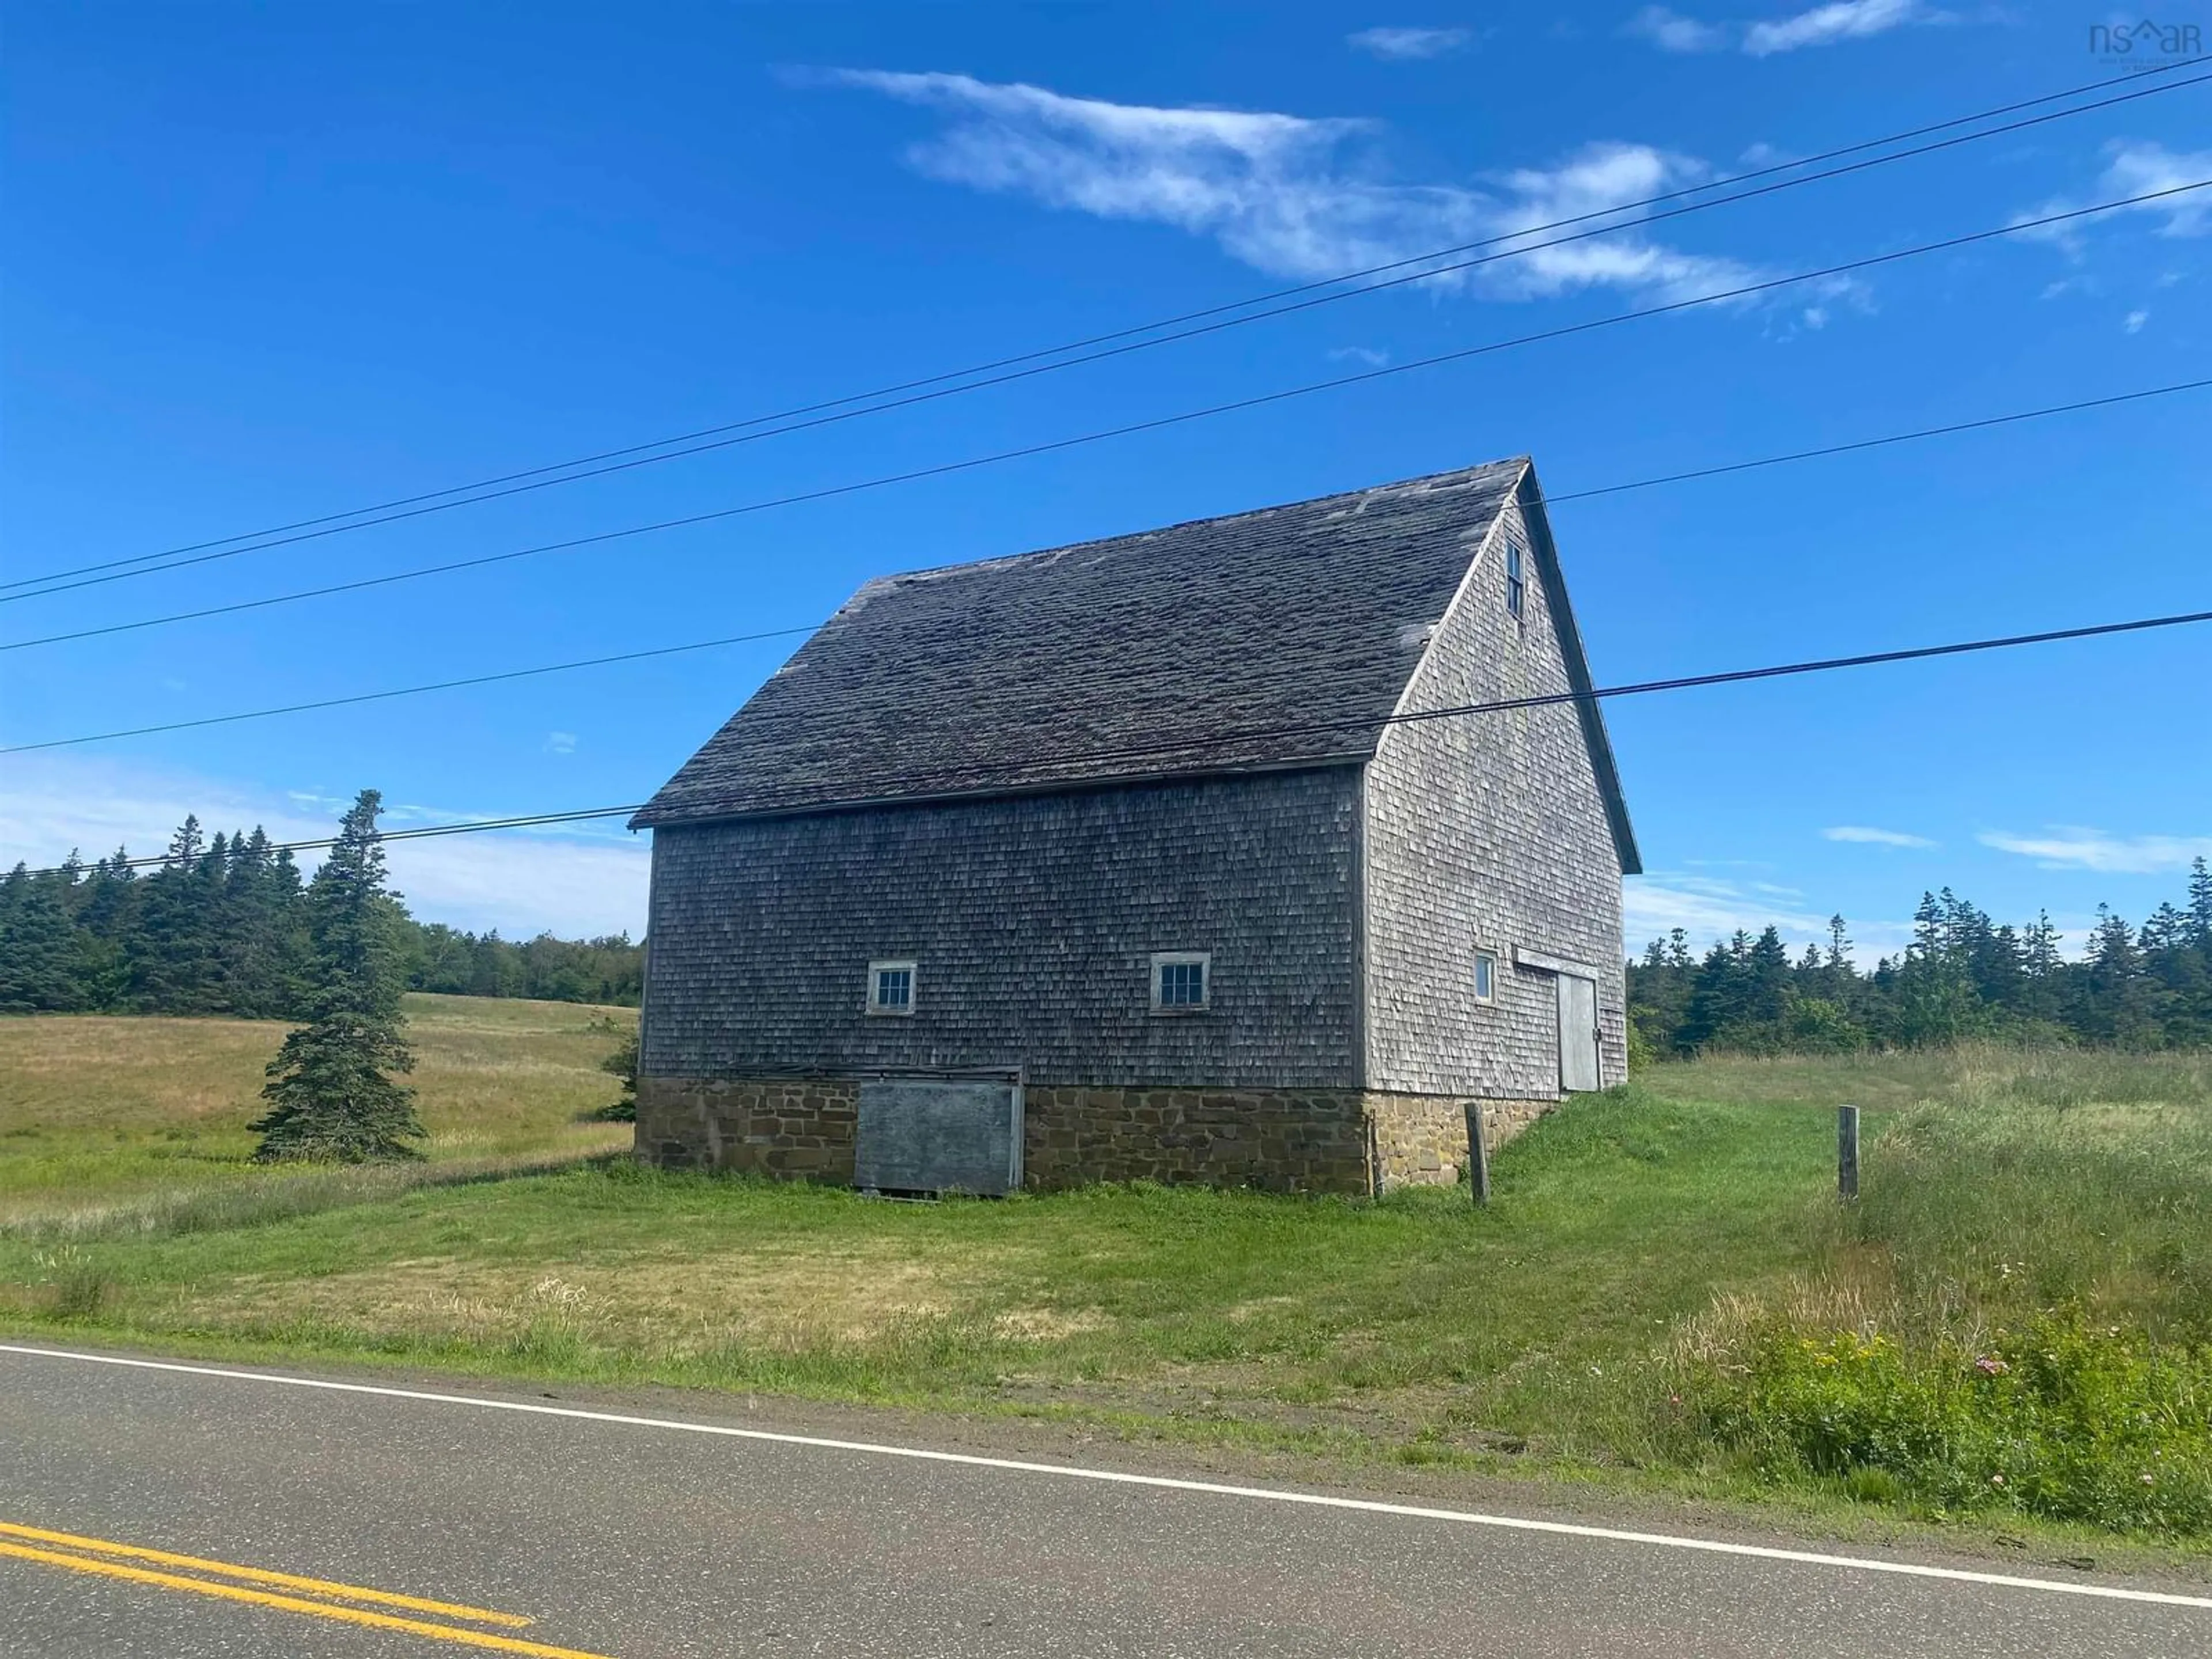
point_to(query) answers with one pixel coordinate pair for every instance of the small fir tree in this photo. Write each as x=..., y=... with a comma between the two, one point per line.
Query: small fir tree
x=330, y=1090
x=623, y=1063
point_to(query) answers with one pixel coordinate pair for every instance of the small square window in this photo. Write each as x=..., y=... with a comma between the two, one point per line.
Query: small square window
x=890, y=987
x=1485, y=975
x=1181, y=982
x=1516, y=586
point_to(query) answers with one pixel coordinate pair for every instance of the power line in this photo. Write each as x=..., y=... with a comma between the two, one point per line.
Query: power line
x=535, y=478
x=1156, y=424
x=1981, y=423
x=883, y=786
x=415, y=691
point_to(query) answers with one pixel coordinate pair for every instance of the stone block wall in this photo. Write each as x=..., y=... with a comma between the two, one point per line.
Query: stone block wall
x=1289, y=1140
x=1420, y=1140
x=798, y=1128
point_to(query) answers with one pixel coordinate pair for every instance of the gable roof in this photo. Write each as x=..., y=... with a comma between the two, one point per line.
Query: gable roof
x=1271, y=638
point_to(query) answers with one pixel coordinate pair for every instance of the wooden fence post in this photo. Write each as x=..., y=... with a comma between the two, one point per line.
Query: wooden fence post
x=1847, y=1151
x=1478, y=1154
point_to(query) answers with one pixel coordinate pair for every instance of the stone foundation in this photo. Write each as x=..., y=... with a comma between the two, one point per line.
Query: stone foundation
x=1292, y=1140
x=1420, y=1140
x=1304, y=1141
x=799, y=1128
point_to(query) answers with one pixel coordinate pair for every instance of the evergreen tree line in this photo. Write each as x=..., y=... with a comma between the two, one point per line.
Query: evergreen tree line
x=222, y=926
x=1962, y=976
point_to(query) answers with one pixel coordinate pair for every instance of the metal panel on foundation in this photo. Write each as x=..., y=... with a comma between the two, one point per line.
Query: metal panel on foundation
x=939, y=1134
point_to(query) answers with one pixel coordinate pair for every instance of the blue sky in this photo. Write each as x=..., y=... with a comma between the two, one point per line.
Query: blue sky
x=264, y=262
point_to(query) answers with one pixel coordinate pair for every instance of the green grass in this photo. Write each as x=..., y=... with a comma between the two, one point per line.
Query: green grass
x=1645, y=1248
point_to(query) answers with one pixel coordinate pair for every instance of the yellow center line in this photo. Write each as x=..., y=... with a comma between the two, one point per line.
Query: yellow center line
x=264, y=1576
x=293, y=1604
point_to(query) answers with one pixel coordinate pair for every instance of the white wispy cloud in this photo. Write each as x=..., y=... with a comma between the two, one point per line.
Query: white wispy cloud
x=2075, y=846
x=1291, y=195
x=521, y=882
x=1670, y=31
x=1821, y=26
x=1403, y=45
x=560, y=743
x=1708, y=909
x=1368, y=356
x=2134, y=168
x=2143, y=169
x=1844, y=20
x=2133, y=323
x=1872, y=837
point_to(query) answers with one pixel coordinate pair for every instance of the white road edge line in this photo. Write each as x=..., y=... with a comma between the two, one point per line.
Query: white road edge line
x=1115, y=1477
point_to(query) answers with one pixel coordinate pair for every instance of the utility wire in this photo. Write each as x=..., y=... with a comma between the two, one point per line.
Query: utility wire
x=1857, y=444
x=415, y=691
x=891, y=787
x=1156, y=424
x=612, y=461
x=880, y=788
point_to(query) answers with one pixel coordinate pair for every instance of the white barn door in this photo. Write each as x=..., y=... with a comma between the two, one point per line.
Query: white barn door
x=1578, y=1051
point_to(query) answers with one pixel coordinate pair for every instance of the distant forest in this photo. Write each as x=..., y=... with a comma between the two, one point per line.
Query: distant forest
x=221, y=928
x=1962, y=976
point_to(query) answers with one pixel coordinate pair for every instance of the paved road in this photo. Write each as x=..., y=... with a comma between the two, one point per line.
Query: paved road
x=177, y=1513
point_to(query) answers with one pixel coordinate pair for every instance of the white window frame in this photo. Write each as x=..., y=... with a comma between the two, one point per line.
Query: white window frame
x=1474, y=981
x=1203, y=960
x=905, y=965
x=1517, y=582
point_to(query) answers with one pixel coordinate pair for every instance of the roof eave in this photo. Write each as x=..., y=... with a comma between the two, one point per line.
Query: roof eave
x=1530, y=496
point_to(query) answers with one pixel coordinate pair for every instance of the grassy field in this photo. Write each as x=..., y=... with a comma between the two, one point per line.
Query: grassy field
x=1665, y=1289
x=108, y=1124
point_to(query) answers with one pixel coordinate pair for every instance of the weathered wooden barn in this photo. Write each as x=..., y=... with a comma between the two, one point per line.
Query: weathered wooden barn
x=1133, y=858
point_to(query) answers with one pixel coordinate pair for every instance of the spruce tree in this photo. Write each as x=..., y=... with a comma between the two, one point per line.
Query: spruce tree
x=2200, y=903
x=2118, y=1003
x=330, y=1089
x=42, y=969
x=1720, y=993
x=107, y=919
x=174, y=952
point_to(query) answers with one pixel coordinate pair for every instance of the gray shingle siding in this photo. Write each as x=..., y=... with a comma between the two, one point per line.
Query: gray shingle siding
x=1487, y=832
x=1029, y=775
x=1032, y=919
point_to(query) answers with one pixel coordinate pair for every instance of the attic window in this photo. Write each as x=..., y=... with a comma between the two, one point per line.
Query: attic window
x=1181, y=982
x=1517, y=588
x=890, y=987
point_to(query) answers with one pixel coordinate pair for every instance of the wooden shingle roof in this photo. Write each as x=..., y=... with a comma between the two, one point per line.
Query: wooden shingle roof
x=1270, y=639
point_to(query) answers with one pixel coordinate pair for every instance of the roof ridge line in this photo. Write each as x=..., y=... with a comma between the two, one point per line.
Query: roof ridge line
x=892, y=577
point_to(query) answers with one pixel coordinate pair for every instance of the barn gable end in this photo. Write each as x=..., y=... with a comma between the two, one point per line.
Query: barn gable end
x=1025, y=789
